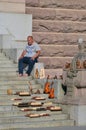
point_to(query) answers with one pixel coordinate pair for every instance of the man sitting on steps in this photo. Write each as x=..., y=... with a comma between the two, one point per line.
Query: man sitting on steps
x=29, y=56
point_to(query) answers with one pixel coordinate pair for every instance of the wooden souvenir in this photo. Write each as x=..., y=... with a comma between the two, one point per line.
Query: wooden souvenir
x=47, y=86
x=9, y=91
x=51, y=94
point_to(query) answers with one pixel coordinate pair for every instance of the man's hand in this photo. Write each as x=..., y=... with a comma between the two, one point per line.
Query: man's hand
x=36, y=55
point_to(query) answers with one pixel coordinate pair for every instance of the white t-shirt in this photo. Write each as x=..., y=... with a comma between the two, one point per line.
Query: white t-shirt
x=32, y=49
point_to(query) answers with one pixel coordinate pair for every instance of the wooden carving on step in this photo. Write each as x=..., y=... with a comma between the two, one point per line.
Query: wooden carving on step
x=36, y=73
x=51, y=94
x=47, y=86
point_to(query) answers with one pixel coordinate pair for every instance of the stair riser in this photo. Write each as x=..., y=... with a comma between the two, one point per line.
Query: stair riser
x=37, y=125
x=8, y=65
x=55, y=62
x=11, y=73
x=15, y=113
x=7, y=108
x=18, y=81
x=5, y=62
x=59, y=26
x=57, y=14
x=24, y=120
x=58, y=38
x=11, y=78
x=57, y=3
x=7, y=69
x=58, y=50
x=19, y=86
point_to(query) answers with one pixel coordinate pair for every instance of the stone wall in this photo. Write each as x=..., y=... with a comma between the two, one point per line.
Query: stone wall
x=57, y=26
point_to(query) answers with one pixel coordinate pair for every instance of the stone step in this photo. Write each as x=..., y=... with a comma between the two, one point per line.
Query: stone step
x=1, y=54
x=7, y=82
x=57, y=4
x=5, y=62
x=49, y=62
x=4, y=99
x=18, y=113
x=8, y=69
x=54, y=62
x=7, y=108
x=53, y=72
x=58, y=38
x=56, y=14
x=40, y=124
x=14, y=90
x=14, y=76
x=58, y=26
x=8, y=77
x=2, y=58
x=58, y=50
x=23, y=119
x=8, y=65
x=10, y=73
x=20, y=86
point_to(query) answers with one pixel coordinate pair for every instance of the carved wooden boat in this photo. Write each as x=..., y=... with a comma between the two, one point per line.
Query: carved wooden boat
x=24, y=104
x=38, y=98
x=32, y=115
x=55, y=108
x=24, y=94
x=35, y=104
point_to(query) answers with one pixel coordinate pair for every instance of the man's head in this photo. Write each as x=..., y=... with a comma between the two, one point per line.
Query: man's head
x=30, y=40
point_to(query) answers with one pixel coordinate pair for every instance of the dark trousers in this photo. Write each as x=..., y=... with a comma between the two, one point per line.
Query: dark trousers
x=29, y=62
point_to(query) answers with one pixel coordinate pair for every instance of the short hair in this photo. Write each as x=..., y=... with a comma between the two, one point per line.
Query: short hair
x=30, y=37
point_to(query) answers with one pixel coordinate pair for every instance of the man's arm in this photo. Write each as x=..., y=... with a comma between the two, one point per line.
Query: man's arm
x=22, y=54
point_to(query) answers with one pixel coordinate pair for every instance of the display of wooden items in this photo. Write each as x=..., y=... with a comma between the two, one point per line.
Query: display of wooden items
x=38, y=106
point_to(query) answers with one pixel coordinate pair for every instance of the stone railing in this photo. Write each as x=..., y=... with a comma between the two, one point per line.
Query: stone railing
x=13, y=34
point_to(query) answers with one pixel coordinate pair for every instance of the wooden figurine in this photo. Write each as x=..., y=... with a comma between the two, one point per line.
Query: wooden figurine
x=51, y=94
x=47, y=86
x=84, y=64
x=37, y=73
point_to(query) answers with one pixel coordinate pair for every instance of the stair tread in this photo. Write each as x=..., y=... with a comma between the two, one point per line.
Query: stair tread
x=61, y=9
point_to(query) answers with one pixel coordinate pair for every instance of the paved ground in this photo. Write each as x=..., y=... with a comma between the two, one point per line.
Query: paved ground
x=60, y=128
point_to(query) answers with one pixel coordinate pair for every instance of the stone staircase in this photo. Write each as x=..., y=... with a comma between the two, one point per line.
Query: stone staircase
x=11, y=116
x=57, y=26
